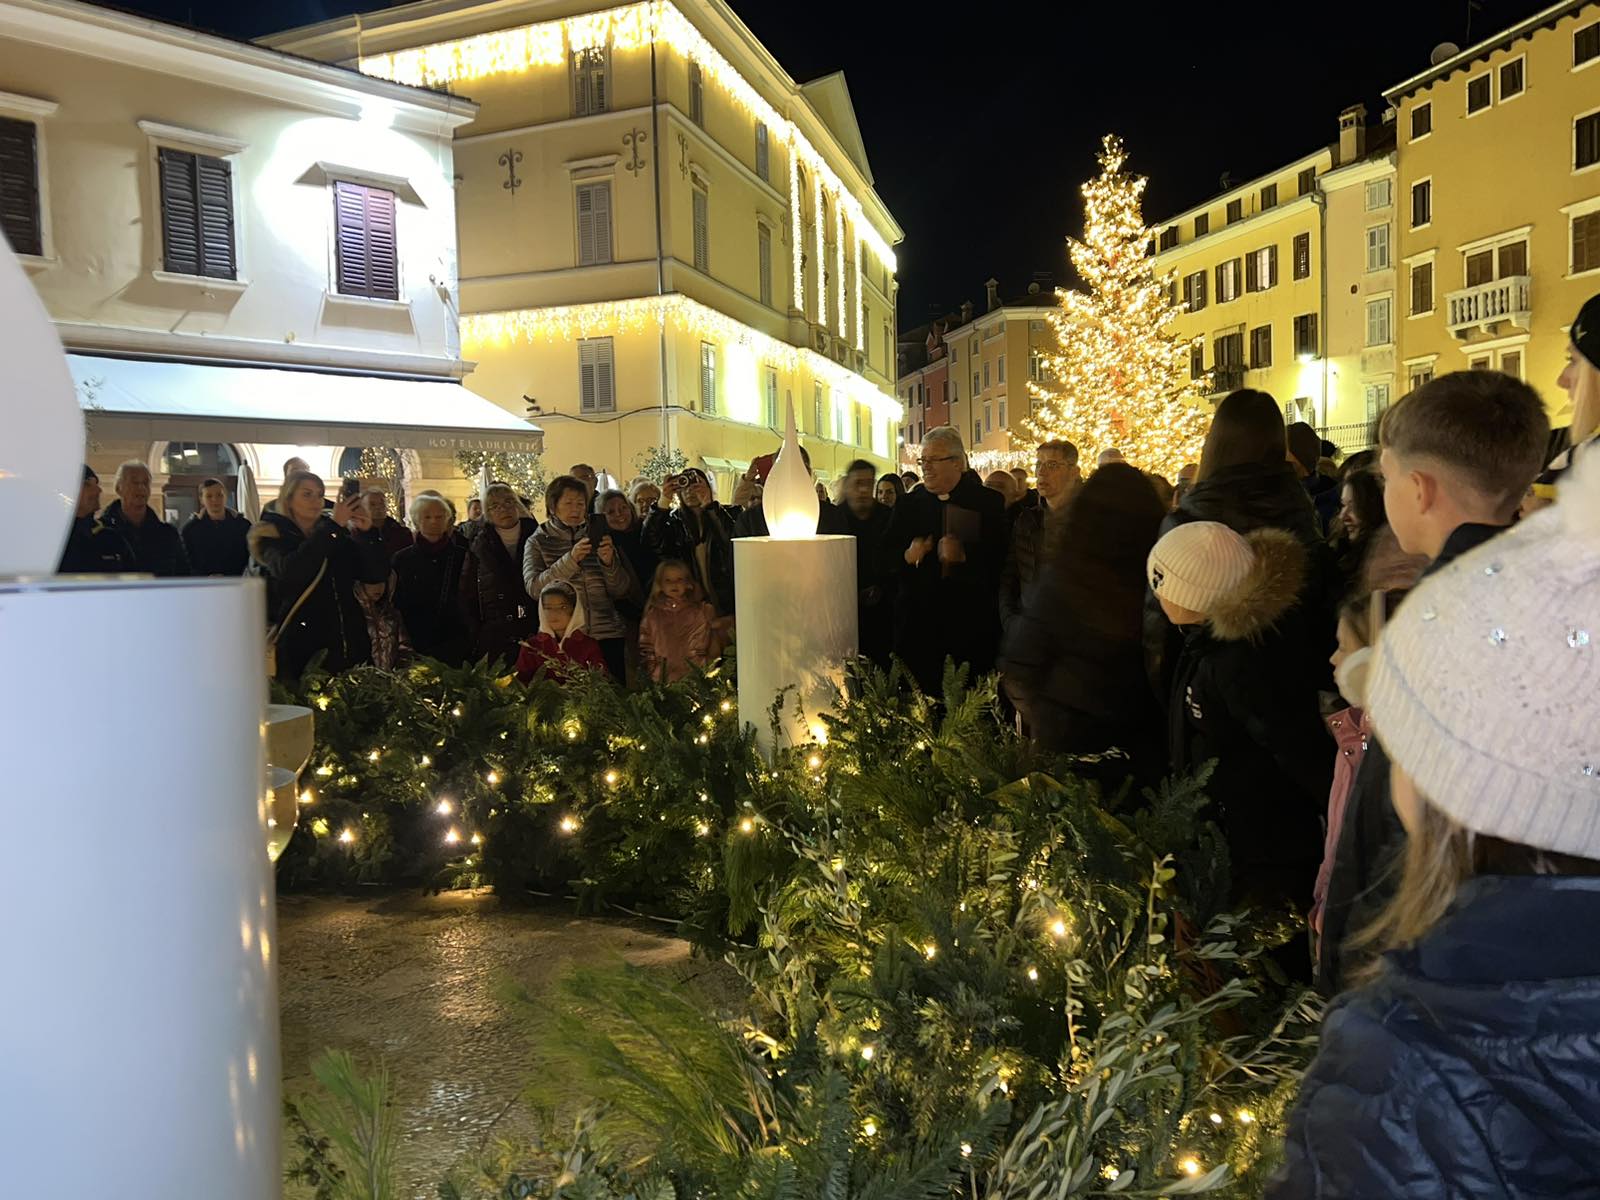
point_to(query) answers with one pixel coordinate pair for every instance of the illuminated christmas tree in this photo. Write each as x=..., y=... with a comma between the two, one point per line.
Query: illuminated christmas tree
x=1118, y=376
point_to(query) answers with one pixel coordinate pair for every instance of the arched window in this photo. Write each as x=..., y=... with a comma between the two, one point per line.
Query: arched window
x=187, y=465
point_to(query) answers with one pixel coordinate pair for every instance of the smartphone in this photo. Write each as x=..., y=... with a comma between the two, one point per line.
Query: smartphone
x=597, y=530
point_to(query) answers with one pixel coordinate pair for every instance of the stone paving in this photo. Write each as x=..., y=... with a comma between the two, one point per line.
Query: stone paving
x=413, y=980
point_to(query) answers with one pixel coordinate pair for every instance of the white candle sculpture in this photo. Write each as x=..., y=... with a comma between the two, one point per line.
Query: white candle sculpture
x=796, y=606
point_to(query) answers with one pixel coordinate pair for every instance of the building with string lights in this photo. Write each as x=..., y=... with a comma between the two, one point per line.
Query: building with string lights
x=664, y=238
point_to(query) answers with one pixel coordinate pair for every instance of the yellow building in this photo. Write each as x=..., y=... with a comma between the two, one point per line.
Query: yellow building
x=663, y=237
x=1499, y=195
x=992, y=359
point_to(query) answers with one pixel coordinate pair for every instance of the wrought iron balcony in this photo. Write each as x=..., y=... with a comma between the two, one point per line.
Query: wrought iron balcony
x=1225, y=378
x=1490, y=304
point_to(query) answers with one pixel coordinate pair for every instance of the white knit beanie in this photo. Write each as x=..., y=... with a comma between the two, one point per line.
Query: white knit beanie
x=1198, y=563
x=1485, y=688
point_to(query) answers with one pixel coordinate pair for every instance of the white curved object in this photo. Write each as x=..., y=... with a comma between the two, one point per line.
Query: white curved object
x=282, y=809
x=291, y=734
x=41, y=448
x=139, y=1021
x=789, y=499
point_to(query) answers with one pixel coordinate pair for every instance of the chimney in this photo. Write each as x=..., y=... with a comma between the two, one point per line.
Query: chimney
x=966, y=311
x=1352, y=133
x=992, y=286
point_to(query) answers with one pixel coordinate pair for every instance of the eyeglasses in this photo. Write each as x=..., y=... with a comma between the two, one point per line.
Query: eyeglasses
x=925, y=462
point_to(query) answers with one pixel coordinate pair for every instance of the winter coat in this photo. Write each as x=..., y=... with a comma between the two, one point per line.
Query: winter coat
x=386, y=629
x=705, y=543
x=547, y=557
x=675, y=636
x=95, y=548
x=641, y=568
x=1362, y=877
x=874, y=584
x=945, y=612
x=561, y=658
x=1022, y=559
x=1245, y=498
x=1469, y=1069
x=217, y=547
x=1236, y=700
x=394, y=536
x=1326, y=498
x=428, y=595
x=1350, y=734
x=330, y=619
x=157, y=548
x=1076, y=673
x=495, y=602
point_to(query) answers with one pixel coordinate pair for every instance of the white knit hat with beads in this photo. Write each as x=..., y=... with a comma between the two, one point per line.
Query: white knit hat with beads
x=1485, y=688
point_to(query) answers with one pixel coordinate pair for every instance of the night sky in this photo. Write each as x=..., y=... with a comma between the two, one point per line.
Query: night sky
x=980, y=127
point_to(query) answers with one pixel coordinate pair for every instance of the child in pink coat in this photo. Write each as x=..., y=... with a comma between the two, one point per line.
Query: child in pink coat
x=680, y=630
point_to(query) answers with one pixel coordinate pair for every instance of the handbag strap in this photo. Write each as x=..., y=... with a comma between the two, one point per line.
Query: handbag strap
x=277, y=632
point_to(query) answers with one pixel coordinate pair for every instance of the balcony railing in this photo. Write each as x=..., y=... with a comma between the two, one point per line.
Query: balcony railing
x=1489, y=304
x=1225, y=378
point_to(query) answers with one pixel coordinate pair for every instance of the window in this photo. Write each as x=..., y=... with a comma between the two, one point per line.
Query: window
x=1378, y=247
x=1421, y=203
x=1479, y=93
x=816, y=409
x=1269, y=196
x=1169, y=237
x=697, y=95
x=1003, y=422
x=1377, y=400
x=596, y=376
x=772, y=398
x=855, y=413
x=197, y=217
x=364, y=240
x=708, y=378
x=977, y=431
x=975, y=388
x=20, y=217
x=1513, y=259
x=1197, y=358
x=1228, y=351
x=1418, y=376
x=1586, y=44
x=1586, y=243
x=1261, y=347
x=1194, y=291
x=1481, y=363
x=1308, y=181
x=1380, y=194
x=1421, y=121
x=1511, y=78
x=1261, y=269
x=763, y=152
x=702, y=231
x=974, y=346
x=1421, y=288
x=1511, y=362
x=1586, y=141
x=1479, y=267
x=988, y=418
x=1235, y=211
x=1228, y=281
x=1000, y=369
x=764, y=262
x=1302, y=256
x=985, y=376
x=1379, y=332
x=1036, y=364
x=589, y=81
x=1305, y=336
x=1202, y=225
x=594, y=223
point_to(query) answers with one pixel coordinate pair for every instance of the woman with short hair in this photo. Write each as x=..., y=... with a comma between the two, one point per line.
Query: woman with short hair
x=428, y=582
x=495, y=604
x=572, y=548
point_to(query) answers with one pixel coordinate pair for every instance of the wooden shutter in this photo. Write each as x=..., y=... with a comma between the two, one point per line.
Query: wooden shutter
x=1252, y=272
x=180, y=212
x=763, y=152
x=367, y=252
x=1272, y=266
x=19, y=186
x=1200, y=289
x=702, y=232
x=1222, y=292
x=214, y=188
x=764, y=262
x=594, y=223
x=596, y=376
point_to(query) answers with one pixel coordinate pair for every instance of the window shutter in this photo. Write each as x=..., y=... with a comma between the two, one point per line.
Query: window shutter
x=180, y=212
x=764, y=262
x=1200, y=289
x=702, y=249
x=605, y=396
x=350, y=232
x=215, y=190
x=1272, y=265
x=763, y=152
x=383, y=263
x=1222, y=292
x=586, y=375
x=594, y=223
x=1252, y=272
x=585, y=226
x=19, y=186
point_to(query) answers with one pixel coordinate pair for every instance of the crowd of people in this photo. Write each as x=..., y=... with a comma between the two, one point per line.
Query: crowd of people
x=1393, y=682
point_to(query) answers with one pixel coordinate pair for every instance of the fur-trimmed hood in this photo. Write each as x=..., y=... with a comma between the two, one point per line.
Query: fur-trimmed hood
x=1249, y=611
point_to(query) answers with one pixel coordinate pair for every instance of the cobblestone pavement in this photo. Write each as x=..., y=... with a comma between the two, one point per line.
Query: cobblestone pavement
x=413, y=980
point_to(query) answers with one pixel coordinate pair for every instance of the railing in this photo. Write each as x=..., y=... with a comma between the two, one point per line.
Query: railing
x=1508, y=299
x=1226, y=378
x=1350, y=438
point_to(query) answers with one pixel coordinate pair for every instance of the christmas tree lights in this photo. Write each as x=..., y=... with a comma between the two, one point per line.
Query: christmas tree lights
x=1118, y=376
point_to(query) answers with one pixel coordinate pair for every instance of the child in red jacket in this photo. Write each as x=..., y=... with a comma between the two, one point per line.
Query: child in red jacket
x=680, y=630
x=561, y=647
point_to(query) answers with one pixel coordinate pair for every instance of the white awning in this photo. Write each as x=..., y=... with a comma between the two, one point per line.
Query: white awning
x=158, y=400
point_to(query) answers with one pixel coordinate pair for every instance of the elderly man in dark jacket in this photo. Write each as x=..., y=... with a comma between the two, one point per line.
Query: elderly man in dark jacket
x=1059, y=477
x=215, y=537
x=944, y=547
x=157, y=548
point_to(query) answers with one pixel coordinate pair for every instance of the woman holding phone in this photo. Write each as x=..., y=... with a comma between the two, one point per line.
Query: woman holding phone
x=573, y=547
x=699, y=532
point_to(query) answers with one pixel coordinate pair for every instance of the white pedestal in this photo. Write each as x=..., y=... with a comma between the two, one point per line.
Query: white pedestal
x=139, y=1013
x=797, y=628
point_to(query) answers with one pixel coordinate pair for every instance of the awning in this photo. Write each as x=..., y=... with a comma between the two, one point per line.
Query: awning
x=158, y=400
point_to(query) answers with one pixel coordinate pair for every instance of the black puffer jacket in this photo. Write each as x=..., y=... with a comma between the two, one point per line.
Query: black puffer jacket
x=428, y=595
x=494, y=602
x=94, y=548
x=947, y=612
x=705, y=542
x=1022, y=559
x=157, y=548
x=324, y=567
x=1470, y=1069
x=217, y=547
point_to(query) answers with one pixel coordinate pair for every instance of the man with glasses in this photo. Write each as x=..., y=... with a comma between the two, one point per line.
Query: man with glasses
x=945, y=546
x=1059, y=478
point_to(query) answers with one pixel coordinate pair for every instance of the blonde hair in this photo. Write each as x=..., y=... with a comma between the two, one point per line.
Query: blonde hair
x=293, y=480
x=674, y=564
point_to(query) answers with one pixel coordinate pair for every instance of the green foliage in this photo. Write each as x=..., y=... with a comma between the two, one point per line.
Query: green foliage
x=524, y=472
x=345, y=1132
x=657, y=463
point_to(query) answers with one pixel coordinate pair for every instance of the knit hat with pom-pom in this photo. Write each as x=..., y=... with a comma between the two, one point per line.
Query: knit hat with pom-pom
x=1485, y=687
